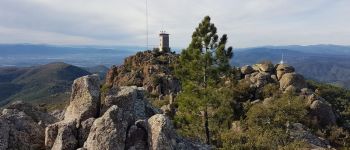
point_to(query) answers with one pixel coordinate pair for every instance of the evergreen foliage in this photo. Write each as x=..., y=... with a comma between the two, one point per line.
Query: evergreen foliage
x=200, y=69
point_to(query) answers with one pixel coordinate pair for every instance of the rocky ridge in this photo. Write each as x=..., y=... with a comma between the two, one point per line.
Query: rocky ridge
x=126, y=121
x=284, y=76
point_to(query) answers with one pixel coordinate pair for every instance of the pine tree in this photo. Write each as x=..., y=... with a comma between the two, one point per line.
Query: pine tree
x=200, y=69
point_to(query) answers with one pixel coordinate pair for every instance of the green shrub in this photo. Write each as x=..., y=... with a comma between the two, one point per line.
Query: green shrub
x=270, y=90
x=267, y=124
x=288, y=108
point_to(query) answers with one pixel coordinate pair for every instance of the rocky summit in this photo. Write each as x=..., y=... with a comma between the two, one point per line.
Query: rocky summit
x=126, y=120
x=149, y=69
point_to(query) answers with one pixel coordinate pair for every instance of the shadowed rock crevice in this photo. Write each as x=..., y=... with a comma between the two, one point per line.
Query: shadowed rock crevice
x=136, y=138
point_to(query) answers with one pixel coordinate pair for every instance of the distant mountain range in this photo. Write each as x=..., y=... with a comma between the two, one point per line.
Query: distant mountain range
x=326, y=63
x=25, y=55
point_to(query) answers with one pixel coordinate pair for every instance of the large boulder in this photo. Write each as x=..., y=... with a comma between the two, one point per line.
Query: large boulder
x=66, y=138
x=84, y=106
x=110, y=130
x=67, y=134
x=292, y=79
x=260, y=79
x=265, y=67
x=130, y=98
x=283, y=69
x=61, y=135
x=85, y=99
x=298, y=131
x=323, y=112
x=20, y=131
x=125, y=97
x=4, y=134
x=160, y=133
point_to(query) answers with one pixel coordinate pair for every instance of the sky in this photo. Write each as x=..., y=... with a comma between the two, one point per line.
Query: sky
x=248, y=23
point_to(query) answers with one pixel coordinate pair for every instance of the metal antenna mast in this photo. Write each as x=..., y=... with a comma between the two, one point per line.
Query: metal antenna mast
x=147, y=24
x=282, y=60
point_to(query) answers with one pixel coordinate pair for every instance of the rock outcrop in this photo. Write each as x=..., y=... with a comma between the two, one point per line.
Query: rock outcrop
x=323, y=112
x=130, y=98
x=128, y=121
x=66, y=135
x=283, y=69
x=4, y=134
x=285, y=77
x=260, y=79
x=298, y=131
x=37, y=114
x=148, y=69
x=160, y=133
x=84, y=106
x=264, y=67
x=85, y=99
x=22, y=125
x=292, y=80
x=110, y=130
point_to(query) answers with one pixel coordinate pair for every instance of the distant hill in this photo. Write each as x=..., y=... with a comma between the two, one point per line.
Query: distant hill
x=49, y=83
x=317, y=49
x=325, y=63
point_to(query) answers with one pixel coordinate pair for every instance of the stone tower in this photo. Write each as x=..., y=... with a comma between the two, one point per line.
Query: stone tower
x=164, y=42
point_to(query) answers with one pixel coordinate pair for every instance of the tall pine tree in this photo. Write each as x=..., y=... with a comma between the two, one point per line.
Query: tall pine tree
x=201, y=67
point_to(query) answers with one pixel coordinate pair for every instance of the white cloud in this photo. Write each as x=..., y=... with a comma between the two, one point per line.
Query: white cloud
x=122, y=22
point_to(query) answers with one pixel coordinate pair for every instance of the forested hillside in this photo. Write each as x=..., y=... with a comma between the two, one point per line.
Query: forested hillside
x=48, y=84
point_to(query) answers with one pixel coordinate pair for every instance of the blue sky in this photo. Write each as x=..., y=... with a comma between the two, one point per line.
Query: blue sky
x=248, y=23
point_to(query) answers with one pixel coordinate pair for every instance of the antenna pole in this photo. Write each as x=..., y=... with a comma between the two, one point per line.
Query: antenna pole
x=147, y=24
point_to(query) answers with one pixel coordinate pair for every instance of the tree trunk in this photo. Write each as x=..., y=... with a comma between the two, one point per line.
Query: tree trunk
x=206, y=118
x=206, y=125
